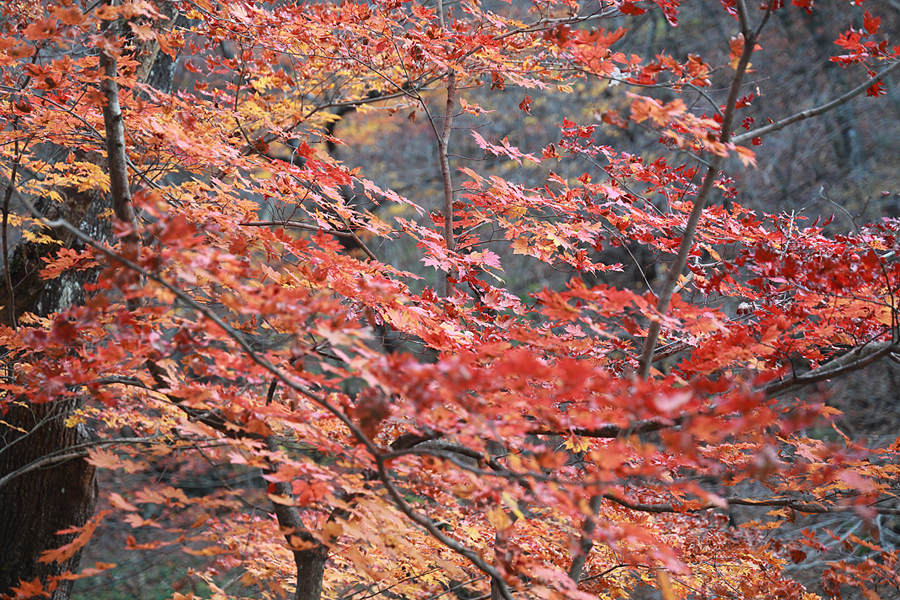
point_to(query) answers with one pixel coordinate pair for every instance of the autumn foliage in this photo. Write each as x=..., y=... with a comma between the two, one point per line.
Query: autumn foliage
x=229, y=308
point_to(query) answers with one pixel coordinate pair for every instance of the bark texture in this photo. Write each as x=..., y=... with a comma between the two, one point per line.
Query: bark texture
x=310, y=572
x=34, y=506
x=37, y=504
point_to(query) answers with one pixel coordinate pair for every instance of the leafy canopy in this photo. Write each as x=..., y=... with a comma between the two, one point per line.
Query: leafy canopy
x=439, y=424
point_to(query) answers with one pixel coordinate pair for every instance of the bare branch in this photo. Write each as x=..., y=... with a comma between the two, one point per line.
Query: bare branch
x=610, y=430
x=115, y=143
x=743, y=18
x=70, y=453
x=814, y=112
x=799, y=506
x=117, y=160
x=859, y=357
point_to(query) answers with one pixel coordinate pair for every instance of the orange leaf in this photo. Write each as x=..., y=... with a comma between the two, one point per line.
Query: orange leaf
x=67, y=551
x=119, y=502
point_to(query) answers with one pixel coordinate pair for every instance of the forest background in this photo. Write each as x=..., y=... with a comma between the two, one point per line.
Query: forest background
x=249, y=352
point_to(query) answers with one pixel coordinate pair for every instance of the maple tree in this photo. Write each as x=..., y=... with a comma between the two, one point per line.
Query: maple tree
x=190, y=271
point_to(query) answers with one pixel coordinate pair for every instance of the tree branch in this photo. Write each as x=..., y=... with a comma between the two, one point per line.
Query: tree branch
x=7, y=196
x=288, y=516
x=804, y=507
x=117, y=160
x=703, y=194
x=263, y=362
x=70, y=453
x=296, y=225
x=350, y=234
x=586, y=544
x=814, y=112
x=443, y=155
x=436, y=533
x=610, y=430
x=857, y=358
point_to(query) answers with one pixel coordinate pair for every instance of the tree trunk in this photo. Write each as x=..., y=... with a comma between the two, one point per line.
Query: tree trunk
x=311, y=560
x=310, y=572
x=34, y=506
x=40, y=502
x=37, y=504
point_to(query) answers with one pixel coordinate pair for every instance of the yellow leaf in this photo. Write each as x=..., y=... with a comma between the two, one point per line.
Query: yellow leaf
x=746, y=156
x=512, y=504
x=332, y=529
x=665, y=586
x=38, y=238
x=497, y=517
x=207, y=551
x=577, y=444
x=297, y=544
x=19, y=429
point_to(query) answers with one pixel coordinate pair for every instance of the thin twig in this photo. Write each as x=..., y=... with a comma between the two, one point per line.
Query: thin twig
x=296, y=225
x=72, y=453
x=436, y=533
